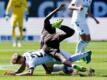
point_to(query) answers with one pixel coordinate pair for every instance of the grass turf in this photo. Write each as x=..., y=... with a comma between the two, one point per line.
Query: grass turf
x=99, y=61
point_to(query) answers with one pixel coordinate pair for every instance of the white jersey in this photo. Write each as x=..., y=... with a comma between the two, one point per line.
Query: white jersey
x=39, y=57
x=34, y=58
x=77, y=15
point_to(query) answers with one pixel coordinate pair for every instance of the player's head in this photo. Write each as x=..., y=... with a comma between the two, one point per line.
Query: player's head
x=17, y=59
x=57, y=23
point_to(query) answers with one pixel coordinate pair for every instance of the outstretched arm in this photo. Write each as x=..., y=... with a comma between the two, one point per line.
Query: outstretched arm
x=49, y=16
x=47, y=25
x=21, y=69
x=89, y=14
x=29, y=73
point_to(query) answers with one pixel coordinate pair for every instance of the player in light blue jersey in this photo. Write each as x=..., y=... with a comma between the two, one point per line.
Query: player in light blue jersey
x=80, y=10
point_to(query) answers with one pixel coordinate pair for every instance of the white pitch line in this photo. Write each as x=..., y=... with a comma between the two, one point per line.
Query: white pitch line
x=7, y=67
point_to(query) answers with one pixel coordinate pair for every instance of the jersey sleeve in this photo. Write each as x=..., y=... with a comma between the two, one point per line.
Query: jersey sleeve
x=29, y=60
x=73, y=2
x=31, y=64
x=26, y=5
x=67, y=32
x=8, y=7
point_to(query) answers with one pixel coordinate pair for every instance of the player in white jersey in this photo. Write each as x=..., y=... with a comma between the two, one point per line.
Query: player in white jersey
x=80, y=10
x=34, y=58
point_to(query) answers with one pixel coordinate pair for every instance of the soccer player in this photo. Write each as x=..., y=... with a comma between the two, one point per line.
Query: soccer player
x=50, y=39
x=18, y=8
x=80, y=9
x=34, y=58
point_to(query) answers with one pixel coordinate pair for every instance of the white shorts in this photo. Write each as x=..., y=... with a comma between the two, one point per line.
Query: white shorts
x=81, y=28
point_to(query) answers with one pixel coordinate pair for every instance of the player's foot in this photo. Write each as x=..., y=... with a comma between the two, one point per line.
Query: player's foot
x=91, y=72
x=14, y=44
x=88, y=57
x=19, y=44
x=83, y=59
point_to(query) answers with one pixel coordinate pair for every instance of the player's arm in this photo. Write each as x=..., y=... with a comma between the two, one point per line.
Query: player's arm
x=20, y=70
x=26, y=9
x=8, y=7
x=90, y=15
x=28, y=73
x=67, y=32
x=49, y=16
x=26, y=5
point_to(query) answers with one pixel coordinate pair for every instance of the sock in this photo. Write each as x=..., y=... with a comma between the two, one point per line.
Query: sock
x=21, y=32
x=57, y=68
x=14, y=34
x=65, y=69
x=80, y=46
x=77, y=67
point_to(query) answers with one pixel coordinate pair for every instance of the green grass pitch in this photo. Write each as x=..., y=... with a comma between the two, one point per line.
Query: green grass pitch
x=99, y=61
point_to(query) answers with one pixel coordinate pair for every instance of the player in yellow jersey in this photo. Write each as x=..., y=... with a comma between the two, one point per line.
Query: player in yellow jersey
x=18, y=8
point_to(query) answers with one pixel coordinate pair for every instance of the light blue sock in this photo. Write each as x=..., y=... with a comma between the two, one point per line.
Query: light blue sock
x=80, y=46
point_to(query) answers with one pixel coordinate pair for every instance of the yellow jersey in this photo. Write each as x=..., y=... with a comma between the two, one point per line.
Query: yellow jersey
x=18, y=7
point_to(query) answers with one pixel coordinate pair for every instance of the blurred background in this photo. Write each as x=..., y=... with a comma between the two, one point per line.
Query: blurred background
x=38, y=9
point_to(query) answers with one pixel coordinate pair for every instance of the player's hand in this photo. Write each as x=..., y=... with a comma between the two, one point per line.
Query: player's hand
x=7, y=17
x=97, y=22
x=10, y=73
x=62, y=6
x=26, y=16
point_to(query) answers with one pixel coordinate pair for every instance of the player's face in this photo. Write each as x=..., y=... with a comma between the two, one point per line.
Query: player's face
x=17, y=60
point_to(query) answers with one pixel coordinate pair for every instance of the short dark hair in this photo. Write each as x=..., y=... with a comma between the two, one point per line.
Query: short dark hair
x=18, y=58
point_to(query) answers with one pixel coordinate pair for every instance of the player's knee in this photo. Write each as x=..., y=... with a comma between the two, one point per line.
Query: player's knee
x=87, y=40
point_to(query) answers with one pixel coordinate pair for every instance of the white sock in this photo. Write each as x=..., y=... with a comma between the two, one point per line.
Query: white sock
x=80, y=46
x=14, y=42
x=57, y=68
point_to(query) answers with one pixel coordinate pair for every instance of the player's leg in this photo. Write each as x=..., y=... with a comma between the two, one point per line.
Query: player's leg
x=51, y=68
x=61, y=58
x=74, y=70
x=83, y=31
x=83, y=42
x=66, y=69
x=76, y=57
x=14, y=24
x=20, y=21
x=48, y=68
